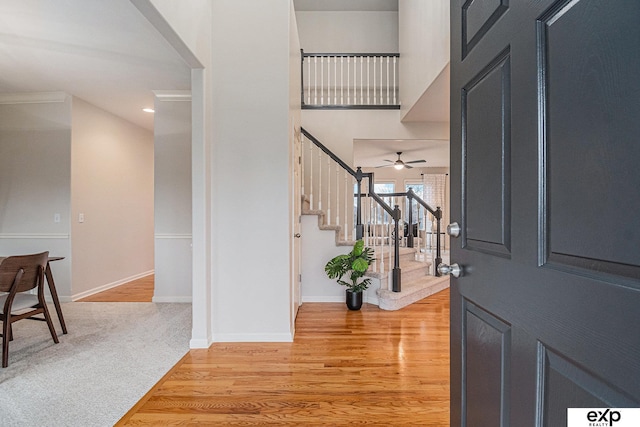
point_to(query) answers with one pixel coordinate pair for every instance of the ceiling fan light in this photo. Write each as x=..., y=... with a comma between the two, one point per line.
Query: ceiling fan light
x=398, y=166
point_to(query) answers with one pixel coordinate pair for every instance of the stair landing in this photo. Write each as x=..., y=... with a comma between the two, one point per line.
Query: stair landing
x=411, y=292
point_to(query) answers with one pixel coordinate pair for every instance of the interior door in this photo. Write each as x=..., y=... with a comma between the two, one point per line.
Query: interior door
x=545, y=152
x=296, y=223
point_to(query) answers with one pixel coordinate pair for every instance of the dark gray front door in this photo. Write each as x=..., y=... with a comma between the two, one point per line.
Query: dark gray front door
x=545, y=159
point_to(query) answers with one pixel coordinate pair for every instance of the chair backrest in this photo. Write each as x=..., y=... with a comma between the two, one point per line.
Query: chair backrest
x=33, y=270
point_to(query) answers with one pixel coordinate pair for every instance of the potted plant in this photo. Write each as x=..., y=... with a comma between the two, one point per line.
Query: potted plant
x=352, y=265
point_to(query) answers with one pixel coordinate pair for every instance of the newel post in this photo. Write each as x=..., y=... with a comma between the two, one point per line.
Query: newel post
x=410, y=218
x=438, y=216
x=396, y=284
x=359, y=226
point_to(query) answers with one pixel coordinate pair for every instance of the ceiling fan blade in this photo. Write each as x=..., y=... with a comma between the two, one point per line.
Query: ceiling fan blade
x=390, y=161
x=416, y=161
x=383, y=166
x=407, y=166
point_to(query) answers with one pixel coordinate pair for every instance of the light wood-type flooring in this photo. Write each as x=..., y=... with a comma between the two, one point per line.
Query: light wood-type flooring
x=140, y=290
x=369, y=367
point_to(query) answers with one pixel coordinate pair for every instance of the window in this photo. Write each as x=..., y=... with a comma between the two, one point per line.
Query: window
x=381, y=188
x=417, y=216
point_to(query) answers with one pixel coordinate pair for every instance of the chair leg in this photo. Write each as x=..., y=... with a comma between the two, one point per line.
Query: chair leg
x=6, y=327
x=50, y=324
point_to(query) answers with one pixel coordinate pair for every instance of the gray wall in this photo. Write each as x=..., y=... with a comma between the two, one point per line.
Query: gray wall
x=172, y=200
x=35, y=178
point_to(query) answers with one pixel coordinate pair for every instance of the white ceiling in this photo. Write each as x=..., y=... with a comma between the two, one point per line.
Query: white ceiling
x=108, y=54
x=104, y=52
x=369, y=153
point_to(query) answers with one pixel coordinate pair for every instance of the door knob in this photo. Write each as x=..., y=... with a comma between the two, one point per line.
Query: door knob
x=297, y=235
x=453, y=229
x=454, y=269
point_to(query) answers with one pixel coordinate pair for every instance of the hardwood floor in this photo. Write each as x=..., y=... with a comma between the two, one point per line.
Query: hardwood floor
x=370, y=367
x=140, y=290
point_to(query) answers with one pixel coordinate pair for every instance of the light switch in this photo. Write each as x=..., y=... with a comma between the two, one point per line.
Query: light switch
x=56, y=217
x=81, y=217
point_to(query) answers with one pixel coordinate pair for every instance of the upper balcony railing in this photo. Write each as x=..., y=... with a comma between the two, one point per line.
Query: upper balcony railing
x=350, y=81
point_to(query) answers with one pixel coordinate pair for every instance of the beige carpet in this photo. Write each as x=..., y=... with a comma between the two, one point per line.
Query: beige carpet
x=113, y=354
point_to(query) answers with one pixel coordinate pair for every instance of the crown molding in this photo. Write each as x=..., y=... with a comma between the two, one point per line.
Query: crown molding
x=172, y=95
x=33, y=98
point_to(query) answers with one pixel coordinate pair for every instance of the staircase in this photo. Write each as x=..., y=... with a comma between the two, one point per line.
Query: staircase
x=417, y=283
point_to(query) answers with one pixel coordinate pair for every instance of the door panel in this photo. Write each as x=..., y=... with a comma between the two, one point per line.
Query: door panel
x=478, y=17
x=565, y=384
x=487, y=343
x=545, y=186
x=486, y=154
x=588, y=180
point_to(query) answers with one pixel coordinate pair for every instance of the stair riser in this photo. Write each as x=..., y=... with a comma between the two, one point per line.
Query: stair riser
x=395, y=301
x=403, y=257
x=407, y=276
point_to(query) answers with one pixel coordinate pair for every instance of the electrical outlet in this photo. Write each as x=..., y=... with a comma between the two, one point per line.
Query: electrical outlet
x=81, y=217
x=56, y=217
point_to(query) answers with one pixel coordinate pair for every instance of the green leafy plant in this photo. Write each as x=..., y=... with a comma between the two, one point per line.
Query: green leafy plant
x=352, y=265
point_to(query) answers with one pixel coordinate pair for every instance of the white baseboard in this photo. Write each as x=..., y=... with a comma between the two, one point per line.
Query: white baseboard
x=322, y=298
x=111, y=285
x=284, y=337
x=174, y=299
x=370, y=299
x=200, y=343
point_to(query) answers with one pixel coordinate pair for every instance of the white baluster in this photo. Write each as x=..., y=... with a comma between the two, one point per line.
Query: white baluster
x=395, y=82
x=338, y=195
x=387, y=80
x=368, y=83
x=335, y=80
x=328, y=216
x=346, y=204
x=349, y=80
x=341, y=82
x=322, y=80
x=424, y=224
x=315, y=80
x=309, y=81
x=381, y=99
x=311, y=176
x=375, y=59
x=361, y=80
x=319, y=179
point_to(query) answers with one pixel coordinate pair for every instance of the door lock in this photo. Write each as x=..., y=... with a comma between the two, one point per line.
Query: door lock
x=454, y=269
x=297, y=235
x=453, y=229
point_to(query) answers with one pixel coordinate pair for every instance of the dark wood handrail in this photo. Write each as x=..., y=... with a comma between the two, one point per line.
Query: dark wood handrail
x=304, y=54
x=328, y=152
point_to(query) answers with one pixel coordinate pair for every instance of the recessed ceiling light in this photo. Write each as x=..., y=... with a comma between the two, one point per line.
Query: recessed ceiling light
x=148, y=110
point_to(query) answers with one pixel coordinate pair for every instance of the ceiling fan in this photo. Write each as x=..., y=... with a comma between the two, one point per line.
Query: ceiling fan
x=399, y=164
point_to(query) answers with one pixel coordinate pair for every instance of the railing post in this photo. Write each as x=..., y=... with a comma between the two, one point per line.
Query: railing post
x=396, y=284
x=359, y=226
x=410, y=218
x=438, y=216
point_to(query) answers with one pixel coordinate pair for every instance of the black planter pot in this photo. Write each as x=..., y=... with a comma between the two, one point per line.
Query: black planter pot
x=354, y=300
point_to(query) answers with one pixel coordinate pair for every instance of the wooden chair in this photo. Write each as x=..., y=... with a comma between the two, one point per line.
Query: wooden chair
x=18, y=276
